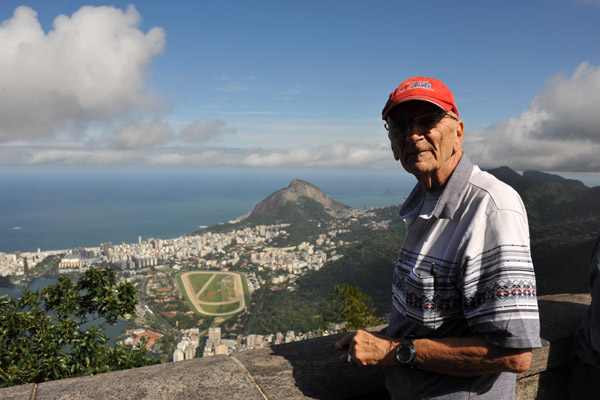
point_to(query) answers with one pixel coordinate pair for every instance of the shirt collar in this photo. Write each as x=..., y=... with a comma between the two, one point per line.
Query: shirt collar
x=449, y=199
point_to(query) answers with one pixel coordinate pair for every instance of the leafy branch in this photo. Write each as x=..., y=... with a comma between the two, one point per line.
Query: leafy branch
x=41, y=334
x=349, y=305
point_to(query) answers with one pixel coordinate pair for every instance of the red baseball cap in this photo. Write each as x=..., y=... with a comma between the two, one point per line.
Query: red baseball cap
x=423, y=89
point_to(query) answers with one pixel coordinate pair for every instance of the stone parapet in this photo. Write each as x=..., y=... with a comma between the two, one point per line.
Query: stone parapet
x=306, y=369
x=560, y=316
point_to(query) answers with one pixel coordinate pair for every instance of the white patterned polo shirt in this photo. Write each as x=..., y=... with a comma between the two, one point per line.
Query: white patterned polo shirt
x=465, y=269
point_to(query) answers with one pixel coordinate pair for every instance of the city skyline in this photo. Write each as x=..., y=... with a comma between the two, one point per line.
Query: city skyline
x=283, y=84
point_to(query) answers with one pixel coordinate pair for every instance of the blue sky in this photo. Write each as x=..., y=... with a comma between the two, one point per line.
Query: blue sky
x=293, y=83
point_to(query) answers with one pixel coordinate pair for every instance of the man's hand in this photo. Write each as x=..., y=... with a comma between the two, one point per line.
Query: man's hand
x=368, y=348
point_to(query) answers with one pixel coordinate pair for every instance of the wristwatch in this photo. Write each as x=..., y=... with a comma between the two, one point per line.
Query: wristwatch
x=406, y=353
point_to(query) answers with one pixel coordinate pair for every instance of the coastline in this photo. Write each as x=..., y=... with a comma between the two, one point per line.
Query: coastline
x=64, y=208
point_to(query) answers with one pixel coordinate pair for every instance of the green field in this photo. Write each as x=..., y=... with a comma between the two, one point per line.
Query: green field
x=227, y=289
x=198, y=281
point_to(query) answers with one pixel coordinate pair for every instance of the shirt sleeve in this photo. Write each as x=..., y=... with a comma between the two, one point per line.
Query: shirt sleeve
x=499, y=288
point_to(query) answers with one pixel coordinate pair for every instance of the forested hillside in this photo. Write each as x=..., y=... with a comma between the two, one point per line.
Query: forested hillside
x=368, y=265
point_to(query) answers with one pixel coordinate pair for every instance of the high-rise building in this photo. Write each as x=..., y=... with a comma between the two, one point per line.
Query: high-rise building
x=106, y=248
x=221, y=349
x=208, y=349
x=289, y=337
x=178, y=355
x=190, y=351
x=251, y=341
x=214, y=335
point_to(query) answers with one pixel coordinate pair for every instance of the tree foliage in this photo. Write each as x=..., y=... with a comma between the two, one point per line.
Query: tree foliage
x=41, y=333
x=349, y=305
x=367, y=264
x=282, y=311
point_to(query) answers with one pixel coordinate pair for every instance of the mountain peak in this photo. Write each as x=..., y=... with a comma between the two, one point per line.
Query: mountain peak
x=297, y=189
x=296, y=184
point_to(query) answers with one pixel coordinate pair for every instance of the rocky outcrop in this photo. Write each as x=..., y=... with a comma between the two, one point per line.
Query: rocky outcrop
x=296, y=190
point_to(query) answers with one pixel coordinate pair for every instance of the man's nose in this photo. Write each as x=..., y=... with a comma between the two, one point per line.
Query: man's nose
x=413, y=132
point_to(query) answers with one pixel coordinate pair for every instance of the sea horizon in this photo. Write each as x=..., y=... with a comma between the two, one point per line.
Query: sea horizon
x=60, y=208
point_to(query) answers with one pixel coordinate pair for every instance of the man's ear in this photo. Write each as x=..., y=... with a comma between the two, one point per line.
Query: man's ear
x=396, y=152
x=460, y=135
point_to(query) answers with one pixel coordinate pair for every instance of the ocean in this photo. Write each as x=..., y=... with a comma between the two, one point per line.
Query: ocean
x=56, y=208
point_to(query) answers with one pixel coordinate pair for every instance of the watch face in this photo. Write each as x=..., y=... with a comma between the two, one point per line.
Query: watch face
x=404, y=353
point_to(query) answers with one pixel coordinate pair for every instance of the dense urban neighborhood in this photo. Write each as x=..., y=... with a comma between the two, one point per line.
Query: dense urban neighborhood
x=167, y=320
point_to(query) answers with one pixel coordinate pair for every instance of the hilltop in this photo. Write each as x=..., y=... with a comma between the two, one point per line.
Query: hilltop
x=293, y=193
x=306, y=208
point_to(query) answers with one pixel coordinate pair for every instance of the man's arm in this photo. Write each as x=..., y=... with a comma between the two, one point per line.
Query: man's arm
x=469, y=356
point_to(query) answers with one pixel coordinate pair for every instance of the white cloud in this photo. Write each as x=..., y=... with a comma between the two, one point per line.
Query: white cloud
x=139, y=134
x=560, y=131
x=300, y=132
x=77, y=95
x=204, y=131
x=356, y=155
x=89, y=67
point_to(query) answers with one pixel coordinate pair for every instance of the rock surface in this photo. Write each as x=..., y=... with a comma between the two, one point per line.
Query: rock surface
x=296, y=190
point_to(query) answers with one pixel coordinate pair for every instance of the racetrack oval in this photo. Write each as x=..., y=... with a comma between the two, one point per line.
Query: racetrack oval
x=201, y=304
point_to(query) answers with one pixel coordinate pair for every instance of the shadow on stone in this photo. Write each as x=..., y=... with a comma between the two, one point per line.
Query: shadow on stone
x=560, y=316
x=295, y=370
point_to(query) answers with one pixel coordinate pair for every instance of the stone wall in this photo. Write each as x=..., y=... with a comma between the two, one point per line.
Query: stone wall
x=306, y=369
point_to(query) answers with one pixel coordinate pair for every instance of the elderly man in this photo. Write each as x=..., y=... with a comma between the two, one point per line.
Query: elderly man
x=464, y=310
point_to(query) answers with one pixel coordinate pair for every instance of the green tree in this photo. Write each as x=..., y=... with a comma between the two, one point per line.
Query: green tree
x=41, y=333
x=348, y=304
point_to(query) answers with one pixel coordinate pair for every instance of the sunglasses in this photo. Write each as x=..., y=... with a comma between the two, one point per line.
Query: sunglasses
x=424, y=122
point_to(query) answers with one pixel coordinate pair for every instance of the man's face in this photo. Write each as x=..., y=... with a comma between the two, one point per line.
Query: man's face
x=425, y=151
